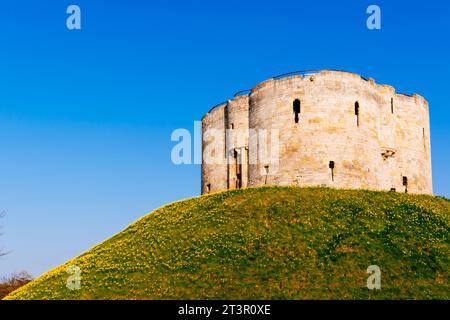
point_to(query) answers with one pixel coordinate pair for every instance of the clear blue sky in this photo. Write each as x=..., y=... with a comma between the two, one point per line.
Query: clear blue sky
x=86, y=116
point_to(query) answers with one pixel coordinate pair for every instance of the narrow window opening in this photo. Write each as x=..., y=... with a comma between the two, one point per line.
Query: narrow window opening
x=296, y=109
x=405, y=184
x=331, y=166
x=424, y=140
x=208, y=188
x=237, y=156
x=357, y=112
x=392, y=105
x=238, y=181
x=266, y=169
x=232, y=126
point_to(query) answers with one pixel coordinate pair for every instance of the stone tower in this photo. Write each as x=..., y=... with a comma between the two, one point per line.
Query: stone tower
x=331, y=128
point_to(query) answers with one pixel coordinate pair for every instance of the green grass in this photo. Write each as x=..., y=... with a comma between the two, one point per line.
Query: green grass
x=269, y=243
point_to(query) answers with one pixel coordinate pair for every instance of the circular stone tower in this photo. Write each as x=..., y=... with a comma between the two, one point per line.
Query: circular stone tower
x=322, y=128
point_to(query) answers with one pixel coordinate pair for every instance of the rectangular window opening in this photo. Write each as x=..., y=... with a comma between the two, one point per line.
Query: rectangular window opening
x=266, y=170
x=405, y=183
x=331, y=166
x=238, y=167
x=296, y=109
x=238, y=181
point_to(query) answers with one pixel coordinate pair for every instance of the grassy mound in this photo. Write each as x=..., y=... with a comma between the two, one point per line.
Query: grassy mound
x=269, y=243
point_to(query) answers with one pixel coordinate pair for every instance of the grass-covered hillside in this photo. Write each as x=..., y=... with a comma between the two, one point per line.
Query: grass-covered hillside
x=269, y=243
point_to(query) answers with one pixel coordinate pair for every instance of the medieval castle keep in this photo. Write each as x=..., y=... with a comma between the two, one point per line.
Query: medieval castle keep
x=334, y=129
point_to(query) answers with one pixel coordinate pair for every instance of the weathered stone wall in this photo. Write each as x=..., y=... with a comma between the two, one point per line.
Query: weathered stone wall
x=237, y=142
x=375, y=138
x=214, y=168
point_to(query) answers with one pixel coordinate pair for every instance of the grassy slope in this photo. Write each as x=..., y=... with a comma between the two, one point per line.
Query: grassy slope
x=269, y=243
